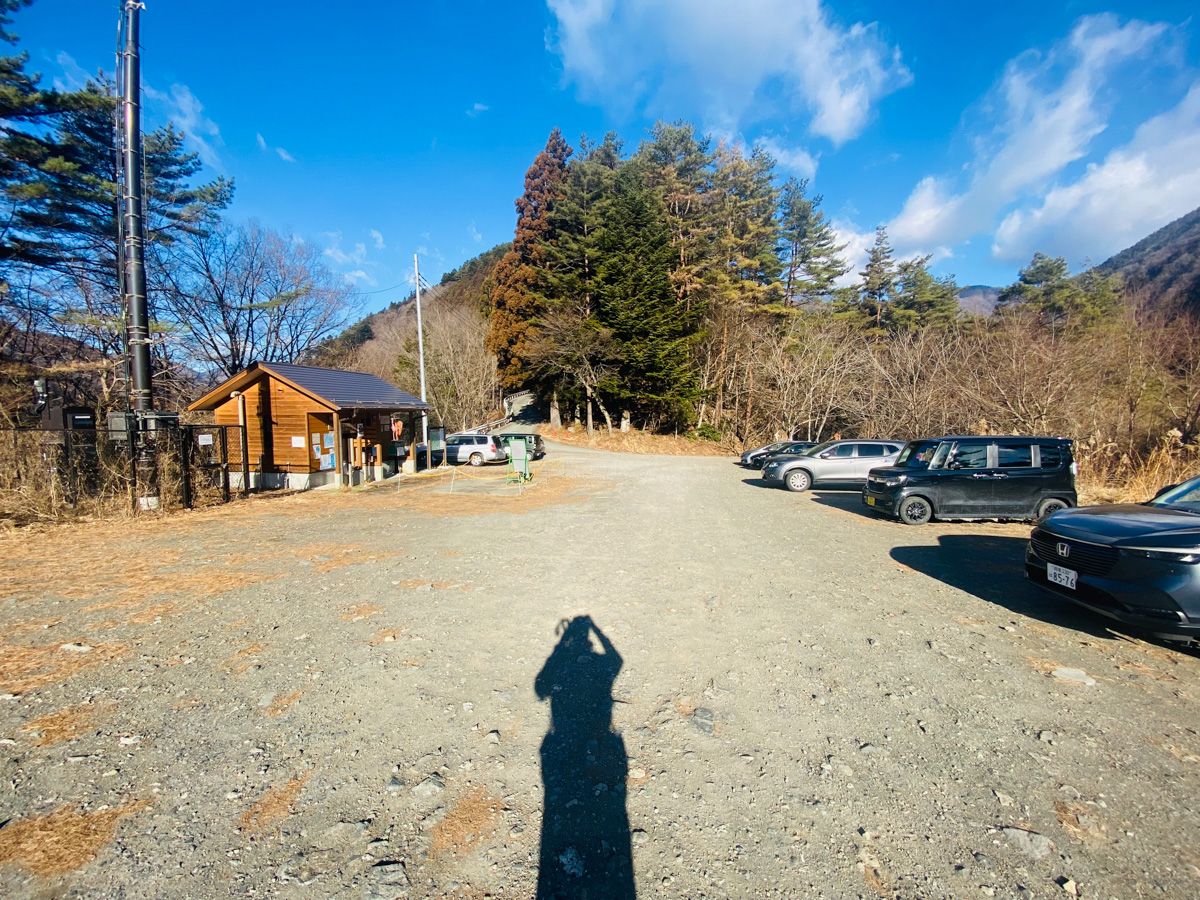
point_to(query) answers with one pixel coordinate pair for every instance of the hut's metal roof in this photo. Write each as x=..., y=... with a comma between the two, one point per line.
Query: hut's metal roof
x=337, y=389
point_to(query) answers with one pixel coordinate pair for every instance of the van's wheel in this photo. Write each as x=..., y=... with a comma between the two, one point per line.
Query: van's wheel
x=915, y=511
x=1051, y=505
x=798, y=480
x=476, y=459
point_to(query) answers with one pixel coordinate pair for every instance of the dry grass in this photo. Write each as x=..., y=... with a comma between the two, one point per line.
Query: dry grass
x=274, y=805
x=30, y=625
x=63, y=840
x=66, y=724
x=243, y=659
x=327, y=557
x=413, y=583
x=469, y=822
x=640, y=442
x=1081, y=822
x=387, y=636
x=359, y=611
x=24, y=668
x=280, y=705
x=1109, y=475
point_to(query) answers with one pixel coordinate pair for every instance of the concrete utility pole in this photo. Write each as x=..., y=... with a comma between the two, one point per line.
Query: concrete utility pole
x=421, y=359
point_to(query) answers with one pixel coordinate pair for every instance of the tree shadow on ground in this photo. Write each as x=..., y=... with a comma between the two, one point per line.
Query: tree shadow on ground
x=992, y=567
x=585, y=847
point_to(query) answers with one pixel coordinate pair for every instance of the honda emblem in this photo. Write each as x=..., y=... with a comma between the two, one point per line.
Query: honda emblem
x=1064, y=550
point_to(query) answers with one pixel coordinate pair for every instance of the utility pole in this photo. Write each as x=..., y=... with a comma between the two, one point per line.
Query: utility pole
x=132, y=224
x=421, y=358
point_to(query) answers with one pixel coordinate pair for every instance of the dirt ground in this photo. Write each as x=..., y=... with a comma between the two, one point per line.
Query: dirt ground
x=337, y=694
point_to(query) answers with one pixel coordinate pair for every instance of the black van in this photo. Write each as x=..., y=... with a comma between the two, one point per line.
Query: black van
x=974, y=478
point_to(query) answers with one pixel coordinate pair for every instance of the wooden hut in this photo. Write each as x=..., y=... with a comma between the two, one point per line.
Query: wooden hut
x=307, y=426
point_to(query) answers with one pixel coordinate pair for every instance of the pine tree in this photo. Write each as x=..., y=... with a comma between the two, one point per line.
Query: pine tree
x=747, y=231
x=921, y=300
x=677, y=165
x=877, y=286
x=518, y=297
x=653, y=327
x=1046, y=287
x=813, y=261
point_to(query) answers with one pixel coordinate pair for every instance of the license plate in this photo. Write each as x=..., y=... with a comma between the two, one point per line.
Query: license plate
x=1059, y=575
x=870, y=501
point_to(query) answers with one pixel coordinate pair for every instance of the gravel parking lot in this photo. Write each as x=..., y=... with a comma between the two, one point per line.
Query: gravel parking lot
x=337, y=694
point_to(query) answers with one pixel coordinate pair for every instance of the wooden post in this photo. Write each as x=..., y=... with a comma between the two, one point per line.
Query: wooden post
x=412, y=443
x=337, y=450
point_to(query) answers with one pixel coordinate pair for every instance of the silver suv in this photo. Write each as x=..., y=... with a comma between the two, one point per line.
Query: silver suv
x=477, y=449
x=836, y=462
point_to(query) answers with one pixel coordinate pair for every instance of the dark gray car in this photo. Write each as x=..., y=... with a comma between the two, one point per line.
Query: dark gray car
x=1138, y=563
x=833, y=462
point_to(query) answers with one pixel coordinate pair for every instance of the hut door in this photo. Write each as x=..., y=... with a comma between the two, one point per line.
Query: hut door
x=320, y=441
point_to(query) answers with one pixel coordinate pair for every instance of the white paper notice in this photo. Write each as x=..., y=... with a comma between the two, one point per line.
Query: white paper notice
x=298, y=441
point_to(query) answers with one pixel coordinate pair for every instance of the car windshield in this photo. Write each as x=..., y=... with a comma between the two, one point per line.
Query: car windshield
x=1184, y=497
x=917, y=455
x=817, y=450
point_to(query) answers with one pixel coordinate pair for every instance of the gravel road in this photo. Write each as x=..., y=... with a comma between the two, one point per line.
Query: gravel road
x=337, y=695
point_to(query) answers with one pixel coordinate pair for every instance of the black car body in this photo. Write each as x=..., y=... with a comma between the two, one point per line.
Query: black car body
x=974, y=477
x=755, y=458
x=1138, y=563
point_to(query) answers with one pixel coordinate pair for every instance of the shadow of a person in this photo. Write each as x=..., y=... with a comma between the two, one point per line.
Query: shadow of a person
x=585, y=850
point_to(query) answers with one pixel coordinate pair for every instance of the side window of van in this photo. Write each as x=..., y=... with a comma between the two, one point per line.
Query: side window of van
x=871, y=450
x=1052, y=455
x=1015, y=457
x=969, y=456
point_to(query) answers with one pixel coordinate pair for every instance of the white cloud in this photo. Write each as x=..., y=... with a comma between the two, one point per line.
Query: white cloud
x=335, y=252
x=201, y=134
x=794, y=159
x=359, y=275
x=474, y=232
x=477, y=109
x=1136, y=189
x=758, y=59
x=278, y=151
x=73, y=78
x=1049, y=112
x=377, y=237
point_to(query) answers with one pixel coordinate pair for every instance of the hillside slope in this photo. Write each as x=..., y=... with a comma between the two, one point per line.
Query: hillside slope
x=1166, y=265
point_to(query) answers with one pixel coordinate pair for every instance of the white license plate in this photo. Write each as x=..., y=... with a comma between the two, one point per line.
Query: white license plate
x=1059, y=575
x=870, y=501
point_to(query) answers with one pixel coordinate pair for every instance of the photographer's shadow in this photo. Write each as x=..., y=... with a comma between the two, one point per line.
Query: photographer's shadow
x=585, y=849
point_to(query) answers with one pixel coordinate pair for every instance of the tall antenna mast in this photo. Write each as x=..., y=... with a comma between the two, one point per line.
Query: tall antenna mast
x=137, y=319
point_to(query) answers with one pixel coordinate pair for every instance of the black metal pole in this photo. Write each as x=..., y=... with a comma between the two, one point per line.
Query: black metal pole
x=141, y=393
x=246, y=463
x=224, y=447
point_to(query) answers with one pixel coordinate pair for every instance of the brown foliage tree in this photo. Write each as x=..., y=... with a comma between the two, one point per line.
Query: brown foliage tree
x=517, y=298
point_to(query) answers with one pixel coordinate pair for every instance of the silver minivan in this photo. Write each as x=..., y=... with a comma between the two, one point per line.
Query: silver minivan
x=833, y=462
x=475, y=449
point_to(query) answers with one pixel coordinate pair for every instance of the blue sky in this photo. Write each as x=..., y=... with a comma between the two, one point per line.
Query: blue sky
x=977, y=133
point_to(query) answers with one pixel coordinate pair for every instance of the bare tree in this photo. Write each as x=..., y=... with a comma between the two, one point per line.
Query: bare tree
x=236, y=295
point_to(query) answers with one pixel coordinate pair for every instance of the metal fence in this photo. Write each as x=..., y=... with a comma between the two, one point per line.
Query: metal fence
x=46, y=474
